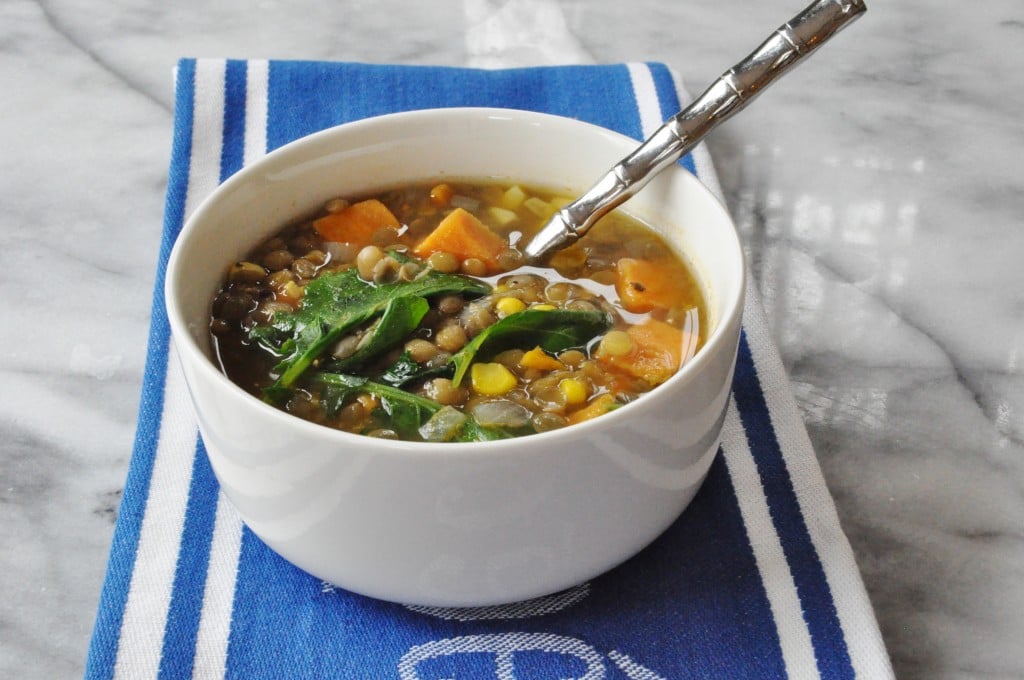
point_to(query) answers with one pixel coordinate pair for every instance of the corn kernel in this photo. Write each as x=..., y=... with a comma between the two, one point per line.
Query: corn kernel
x=543, y=307
x=491, y=380
x=509, y=305
x=574, y=391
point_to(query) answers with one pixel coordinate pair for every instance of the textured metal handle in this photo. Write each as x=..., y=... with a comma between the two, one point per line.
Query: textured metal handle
x=736, y=88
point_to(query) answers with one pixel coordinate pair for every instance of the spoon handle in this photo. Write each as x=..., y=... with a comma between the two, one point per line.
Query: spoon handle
x=729, y=94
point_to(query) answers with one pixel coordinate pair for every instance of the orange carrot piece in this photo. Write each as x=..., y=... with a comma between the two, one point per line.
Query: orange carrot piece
x=644, y=285
x=598, y=406
x=655, y=355
x=464, y=236
x=356, y=223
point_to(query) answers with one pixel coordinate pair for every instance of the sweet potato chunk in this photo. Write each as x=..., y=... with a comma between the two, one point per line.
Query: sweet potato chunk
x=644, y=285
x=465, y=236
x=356, y=223
x=655, y=354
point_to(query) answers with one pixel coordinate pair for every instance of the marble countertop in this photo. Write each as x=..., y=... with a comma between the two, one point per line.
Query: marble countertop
x=877, y=189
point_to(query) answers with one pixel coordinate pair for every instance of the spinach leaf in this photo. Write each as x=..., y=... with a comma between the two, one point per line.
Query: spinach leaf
x=335, y=303
x=553, y=330
x=334, y=395
x=274, y=335
x=356, y=383
x=405, y=416
x=400, y=318
x=473, y=431
x=407, y=411
x=405, y=371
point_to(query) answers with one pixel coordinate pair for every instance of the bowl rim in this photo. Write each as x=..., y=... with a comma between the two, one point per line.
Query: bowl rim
x=186, y=344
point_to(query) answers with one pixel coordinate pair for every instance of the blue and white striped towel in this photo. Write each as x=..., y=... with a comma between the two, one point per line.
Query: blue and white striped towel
x=755, y=579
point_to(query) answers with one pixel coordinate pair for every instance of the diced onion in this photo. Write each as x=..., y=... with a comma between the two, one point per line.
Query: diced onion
x=501, y=413
x=464, y=202
x=443, y=425
x=501, y=216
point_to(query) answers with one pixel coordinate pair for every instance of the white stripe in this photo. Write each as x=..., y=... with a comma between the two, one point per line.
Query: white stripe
x=222, y=571
x=856, y=616
x=207, y=132
x=794, y=637
x=149, y=592
x=646, y=98
x=701, y=157
x=219, y=593
x=257, y=76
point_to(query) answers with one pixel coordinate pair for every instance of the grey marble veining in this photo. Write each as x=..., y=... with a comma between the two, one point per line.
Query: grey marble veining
x=877, y=188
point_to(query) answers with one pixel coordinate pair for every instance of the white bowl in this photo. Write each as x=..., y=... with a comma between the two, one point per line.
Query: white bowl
x=456, y=524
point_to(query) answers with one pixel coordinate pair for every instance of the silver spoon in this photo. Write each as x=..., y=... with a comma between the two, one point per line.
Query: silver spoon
x=736, y=88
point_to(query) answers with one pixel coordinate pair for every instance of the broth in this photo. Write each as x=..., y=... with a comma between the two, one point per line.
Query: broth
x=410, y=314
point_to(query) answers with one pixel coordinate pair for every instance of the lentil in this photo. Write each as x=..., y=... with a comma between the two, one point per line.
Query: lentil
x=421, y=351
x=278, y=259
x=473, y=267
x=446, y=263
x=451, y=338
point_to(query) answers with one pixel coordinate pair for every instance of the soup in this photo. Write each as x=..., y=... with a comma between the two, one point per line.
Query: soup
x=411, y=315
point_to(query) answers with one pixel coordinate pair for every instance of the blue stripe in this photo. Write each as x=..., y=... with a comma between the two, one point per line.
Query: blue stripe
x=712, y=627
x=178, y=654
x=668, y=100
x=335, y=93
x=179, y=645
x=819, y=609
x=107, y=629
x=233, y=144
